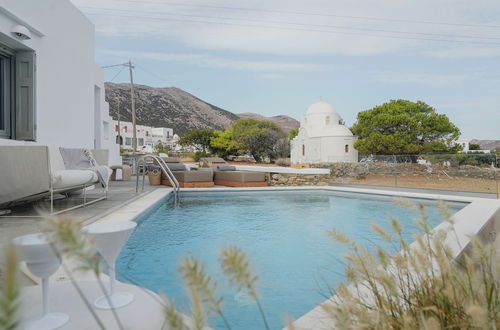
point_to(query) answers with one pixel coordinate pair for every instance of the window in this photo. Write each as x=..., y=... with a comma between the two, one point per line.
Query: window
x=303, y=150
x=6, y=87
x=327, y=120
x=17, y=95
x=140, y=141
x=128, y=141
x=346, y=148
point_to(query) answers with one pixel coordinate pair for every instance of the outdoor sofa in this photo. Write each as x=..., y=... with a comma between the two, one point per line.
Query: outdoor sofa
x=227, y=175
x=201, y=178
x=29, y=172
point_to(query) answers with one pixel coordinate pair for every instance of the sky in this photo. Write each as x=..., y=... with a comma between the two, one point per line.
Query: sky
x=277, y=57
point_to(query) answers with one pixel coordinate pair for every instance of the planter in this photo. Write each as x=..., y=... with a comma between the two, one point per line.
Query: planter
x=154, y=175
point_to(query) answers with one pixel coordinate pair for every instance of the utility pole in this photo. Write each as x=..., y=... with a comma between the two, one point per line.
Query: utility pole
x=132, y=98
x=119, y=141
x=132, y=102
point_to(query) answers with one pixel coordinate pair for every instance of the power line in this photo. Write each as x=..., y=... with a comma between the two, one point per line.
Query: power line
x=312, y=14
x=152, y=74
x=297, y=29
x=305, y=24
x=116, y=75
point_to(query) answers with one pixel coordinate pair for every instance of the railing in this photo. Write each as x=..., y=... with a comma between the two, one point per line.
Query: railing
x=168, y=173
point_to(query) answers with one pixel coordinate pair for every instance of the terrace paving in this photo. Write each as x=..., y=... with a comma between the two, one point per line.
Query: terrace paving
x=25, y=218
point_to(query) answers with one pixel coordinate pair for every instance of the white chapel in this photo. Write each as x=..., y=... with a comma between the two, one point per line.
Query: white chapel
x=322, y=138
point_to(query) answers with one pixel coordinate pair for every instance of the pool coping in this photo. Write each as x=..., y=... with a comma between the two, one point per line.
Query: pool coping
x=484, y=211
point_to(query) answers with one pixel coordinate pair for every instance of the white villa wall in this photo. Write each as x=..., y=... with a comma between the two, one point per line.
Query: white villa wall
x=66, y=74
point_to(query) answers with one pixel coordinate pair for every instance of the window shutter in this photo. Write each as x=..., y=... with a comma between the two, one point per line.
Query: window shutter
x=25, y=96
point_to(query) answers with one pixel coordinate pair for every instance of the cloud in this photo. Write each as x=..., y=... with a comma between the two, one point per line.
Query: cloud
x=271, y=76
x=471, y=52
x=209, y=61
x=295, y=27
x=419, y=78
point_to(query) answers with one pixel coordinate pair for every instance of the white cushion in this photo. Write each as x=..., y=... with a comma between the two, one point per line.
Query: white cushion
x=70, y=178
x=56, y=160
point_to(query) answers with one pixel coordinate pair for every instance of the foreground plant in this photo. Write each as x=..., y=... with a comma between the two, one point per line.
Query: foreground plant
x=9, y=295
x=235, y=265
x=173, y=318
x=422, y=287
x=201, y=286
x=201, y=289
x=71, y=241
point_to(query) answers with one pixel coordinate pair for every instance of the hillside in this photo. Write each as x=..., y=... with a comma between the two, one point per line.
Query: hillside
x=285, y=122
x=486, y=144
x=166, y=107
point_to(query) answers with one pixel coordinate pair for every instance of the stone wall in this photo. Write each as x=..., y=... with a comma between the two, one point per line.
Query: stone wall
x=362, y=170
x=282, y=179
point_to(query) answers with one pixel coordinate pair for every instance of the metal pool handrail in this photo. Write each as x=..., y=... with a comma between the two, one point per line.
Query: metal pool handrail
x=165, y=169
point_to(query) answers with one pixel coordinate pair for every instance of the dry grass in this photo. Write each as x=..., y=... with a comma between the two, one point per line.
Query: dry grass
x=419, y=288
x=10, y=294
x=427, y=181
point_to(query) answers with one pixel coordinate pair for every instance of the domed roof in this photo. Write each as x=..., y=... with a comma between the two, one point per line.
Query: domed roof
x=320, y=108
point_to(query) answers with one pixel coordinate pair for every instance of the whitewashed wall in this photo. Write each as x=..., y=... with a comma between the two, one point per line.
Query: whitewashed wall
x=323, y=150
x=66, y=73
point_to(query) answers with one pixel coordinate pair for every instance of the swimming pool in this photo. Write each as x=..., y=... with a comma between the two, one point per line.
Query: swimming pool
x=284, y=234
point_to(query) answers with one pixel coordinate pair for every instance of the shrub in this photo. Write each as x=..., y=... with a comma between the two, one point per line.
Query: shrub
x=200, y=154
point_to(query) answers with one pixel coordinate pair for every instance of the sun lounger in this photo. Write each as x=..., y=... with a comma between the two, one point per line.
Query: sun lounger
x=226, y=175
x=188, y=178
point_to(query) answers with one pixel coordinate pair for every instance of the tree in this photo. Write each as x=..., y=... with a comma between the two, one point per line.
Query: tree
x=223, y=144
x=199, y=138
x=260, y=138
x=404, y=127
x=162, y=148
x=293, y=133
x=474, y=146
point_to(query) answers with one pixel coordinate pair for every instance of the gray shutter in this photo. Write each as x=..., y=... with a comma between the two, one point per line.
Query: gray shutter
x=25, y=96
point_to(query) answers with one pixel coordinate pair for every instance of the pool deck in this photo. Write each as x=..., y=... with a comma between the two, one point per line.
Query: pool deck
x=24, y=218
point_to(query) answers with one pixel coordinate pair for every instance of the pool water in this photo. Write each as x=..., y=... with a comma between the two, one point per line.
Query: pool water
x=283, y=233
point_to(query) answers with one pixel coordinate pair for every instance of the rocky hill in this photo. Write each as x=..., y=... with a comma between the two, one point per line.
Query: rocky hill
x=172, y=107
x=487, y=144
x=285, y=122
x=166, y=107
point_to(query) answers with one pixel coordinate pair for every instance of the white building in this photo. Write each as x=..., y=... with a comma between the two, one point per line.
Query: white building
x=322, y=138
x=54, y=90
x=147, y=137
x=464, y=143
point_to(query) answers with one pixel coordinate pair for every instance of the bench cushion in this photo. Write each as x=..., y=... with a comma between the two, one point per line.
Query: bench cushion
x=70, y=178
x=240, y=176
x=193, y=176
